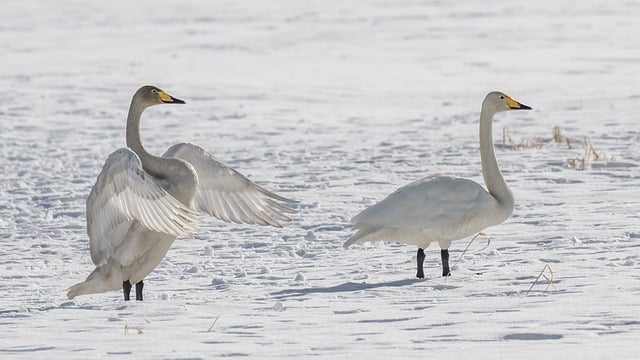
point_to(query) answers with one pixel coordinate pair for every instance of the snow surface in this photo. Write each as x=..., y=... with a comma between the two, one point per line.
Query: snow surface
x=335, y=104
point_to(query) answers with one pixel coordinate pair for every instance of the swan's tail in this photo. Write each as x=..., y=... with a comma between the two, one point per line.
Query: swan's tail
x=96, y=282
x=367, y=232
x=361, y=235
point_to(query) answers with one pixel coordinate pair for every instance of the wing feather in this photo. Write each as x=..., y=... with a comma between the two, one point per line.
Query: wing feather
x=228, y=195
x=435, y=208
x=124, y=194
x=436, y=201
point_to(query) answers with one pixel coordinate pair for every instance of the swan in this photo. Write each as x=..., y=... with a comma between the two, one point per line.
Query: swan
x=443, y=208
x=141, y=202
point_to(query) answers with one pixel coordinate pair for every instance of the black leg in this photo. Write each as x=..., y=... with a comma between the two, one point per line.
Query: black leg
x=420, y=258
x=444, y=254
x=126, y=289
x=139, y=286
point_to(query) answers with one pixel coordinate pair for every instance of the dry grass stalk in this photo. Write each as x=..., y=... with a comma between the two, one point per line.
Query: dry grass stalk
x=469, y=244
x=589, y=154
x=547, y=278
x=212, y=325
x=579, y=162
x=558, y=138
x=527, y=143
x=126, y=330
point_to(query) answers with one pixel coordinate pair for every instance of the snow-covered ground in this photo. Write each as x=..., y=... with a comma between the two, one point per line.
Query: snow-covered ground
x=335, y=104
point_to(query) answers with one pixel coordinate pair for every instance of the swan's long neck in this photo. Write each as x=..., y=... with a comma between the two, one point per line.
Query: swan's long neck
x=490, y=169
x=154, y=165
x=180, y=178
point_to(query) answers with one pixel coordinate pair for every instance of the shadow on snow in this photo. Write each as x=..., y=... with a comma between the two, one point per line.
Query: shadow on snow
x=352, y=286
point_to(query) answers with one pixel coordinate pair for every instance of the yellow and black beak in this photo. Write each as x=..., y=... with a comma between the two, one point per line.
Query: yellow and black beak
x=168, y=99
x=514, y=105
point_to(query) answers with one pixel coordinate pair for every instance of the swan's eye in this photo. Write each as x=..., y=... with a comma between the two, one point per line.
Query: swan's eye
x=501, y=97
x=154, y=91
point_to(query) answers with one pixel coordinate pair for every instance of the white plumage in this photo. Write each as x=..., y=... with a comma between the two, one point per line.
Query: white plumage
x=443, y=208
x=228, y=195
x=124, y=194
x=461, y=206
x=140, y=203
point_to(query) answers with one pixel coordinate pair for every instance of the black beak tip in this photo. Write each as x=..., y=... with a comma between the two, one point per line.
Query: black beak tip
x=524, y=107
x=177, y=101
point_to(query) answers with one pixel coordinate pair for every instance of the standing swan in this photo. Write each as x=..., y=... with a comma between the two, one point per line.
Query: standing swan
x=443, y=208
x=140, y=203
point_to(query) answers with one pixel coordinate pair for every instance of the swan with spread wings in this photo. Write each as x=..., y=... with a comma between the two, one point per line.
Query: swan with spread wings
x=140, y=203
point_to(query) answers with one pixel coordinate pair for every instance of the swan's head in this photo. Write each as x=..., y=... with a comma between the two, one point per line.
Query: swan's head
x=150, y=95
x=497, y=101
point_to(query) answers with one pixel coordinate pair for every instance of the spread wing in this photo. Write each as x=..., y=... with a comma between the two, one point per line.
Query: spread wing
x=124, y=194
x=228, y=195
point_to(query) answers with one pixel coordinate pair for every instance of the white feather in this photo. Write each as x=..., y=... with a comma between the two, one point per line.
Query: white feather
x=228, y=195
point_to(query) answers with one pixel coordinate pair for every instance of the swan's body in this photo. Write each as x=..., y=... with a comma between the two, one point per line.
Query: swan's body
x=140, y=203
x=443, y=208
